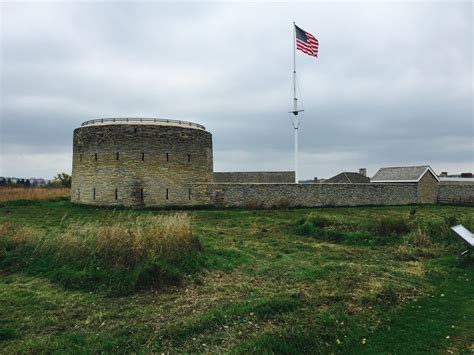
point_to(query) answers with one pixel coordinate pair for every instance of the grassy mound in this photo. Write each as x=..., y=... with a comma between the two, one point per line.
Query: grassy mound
x=116, y=254
x=421, y=232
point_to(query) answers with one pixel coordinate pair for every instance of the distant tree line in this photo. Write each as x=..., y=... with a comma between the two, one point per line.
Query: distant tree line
x=19, y=182
x=60, y=180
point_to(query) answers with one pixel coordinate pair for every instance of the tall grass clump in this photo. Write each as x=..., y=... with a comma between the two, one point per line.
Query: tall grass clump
x=117, y=254
x=334, y=228
x=32, y=193
x=391, y=226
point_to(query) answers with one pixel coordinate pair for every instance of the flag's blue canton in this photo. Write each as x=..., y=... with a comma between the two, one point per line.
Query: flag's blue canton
x=300, y=34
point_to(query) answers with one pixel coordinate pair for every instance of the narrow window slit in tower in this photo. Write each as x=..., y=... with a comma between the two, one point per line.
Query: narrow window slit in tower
x=167, y=194
x=134, y=130
x=116, y=194
x=117, y=155
x=80, y=158
x=189, y=193
x=143, y=156
x=167, y=156
x=141, y=194
x=78, y=194
x=93, y=194
x=189, y=157
x=95, y=156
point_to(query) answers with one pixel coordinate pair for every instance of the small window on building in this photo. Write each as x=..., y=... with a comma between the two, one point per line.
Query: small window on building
x=117, y=155
x=141, y=194
x=143, y=156
x=116, y=194
x=78, y=194
x=189, y=193
x=167, y=194
x=167, y=156
x=95, y=156
x=93, y=194
x=134, y=130
x=189, y=158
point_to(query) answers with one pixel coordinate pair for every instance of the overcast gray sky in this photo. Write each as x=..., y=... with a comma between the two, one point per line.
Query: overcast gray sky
x=393, y=84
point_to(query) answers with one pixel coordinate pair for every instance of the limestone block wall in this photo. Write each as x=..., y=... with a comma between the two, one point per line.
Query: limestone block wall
x=456, y=192
x=255, y=177
x=140, y=164
x=308, y=195
x=428, y=189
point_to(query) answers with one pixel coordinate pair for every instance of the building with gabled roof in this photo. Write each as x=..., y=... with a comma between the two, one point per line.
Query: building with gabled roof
x=403, y=174
x=347, y=178
x=423, y=176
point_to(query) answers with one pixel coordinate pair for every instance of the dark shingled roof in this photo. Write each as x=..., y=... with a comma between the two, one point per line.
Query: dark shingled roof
x=402, y=174
x=347, y=178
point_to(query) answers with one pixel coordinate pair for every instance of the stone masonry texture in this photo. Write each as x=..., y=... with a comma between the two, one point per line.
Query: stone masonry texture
x=255, y=177
x=428, y=189
x=308, y=195
x=140, y=164
x=456, y=192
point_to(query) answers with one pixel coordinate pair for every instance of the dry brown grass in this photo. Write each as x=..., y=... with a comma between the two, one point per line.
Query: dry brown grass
x=32, y=193
x=119, y=253
x=420, y=239
x=126, y=240
x=13, y=236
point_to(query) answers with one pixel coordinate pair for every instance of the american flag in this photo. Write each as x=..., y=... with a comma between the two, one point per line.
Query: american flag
x=306, y=42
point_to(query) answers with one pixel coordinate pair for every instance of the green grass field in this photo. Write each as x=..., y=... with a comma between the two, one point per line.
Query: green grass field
x=368, y=280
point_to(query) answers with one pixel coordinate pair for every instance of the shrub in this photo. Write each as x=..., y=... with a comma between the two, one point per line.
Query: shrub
x=307, y=229
x=391, y=226
x=320, y=221
x=468, y=221
x=451, y=221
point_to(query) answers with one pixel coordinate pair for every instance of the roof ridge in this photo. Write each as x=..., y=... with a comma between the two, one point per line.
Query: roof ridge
x=410, y=166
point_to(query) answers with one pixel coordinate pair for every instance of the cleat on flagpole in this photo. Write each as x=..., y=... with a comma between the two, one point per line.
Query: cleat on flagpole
x=295, y=112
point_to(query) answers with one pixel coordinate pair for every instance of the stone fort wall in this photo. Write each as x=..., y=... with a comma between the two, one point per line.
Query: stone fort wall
x=255, y=177
x=308, y=195
x=456, y=192
x=140, y=164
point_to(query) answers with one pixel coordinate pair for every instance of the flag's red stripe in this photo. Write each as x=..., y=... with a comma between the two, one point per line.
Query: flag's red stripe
x=308, y=52
x=304, y=49
x=304, y=43
x=308, y=43
x=307, y=48
x=310, y=46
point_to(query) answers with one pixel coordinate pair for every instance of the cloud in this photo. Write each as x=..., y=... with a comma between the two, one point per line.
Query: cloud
x=392, y=85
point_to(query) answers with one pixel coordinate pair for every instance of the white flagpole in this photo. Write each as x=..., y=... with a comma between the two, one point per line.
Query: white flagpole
x=295, y=118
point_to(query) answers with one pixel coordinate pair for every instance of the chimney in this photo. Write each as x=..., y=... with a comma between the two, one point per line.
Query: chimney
x=444, y=174
x=363, y=171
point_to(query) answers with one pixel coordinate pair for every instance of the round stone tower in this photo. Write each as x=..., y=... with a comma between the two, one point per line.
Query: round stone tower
x=140, y=161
